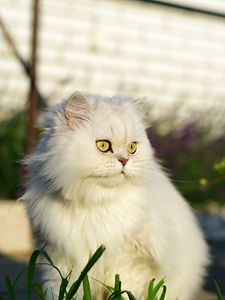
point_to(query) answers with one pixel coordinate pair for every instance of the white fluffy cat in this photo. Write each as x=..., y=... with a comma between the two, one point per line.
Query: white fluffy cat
x=94, y=180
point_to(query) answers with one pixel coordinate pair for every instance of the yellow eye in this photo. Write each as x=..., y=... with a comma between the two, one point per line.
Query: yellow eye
x=132, y=148
x=103, y=146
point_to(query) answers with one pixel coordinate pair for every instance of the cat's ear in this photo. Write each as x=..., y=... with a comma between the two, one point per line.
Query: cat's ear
x=145, y=107
x=77, y=109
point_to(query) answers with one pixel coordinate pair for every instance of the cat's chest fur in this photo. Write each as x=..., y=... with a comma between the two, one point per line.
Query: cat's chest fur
x=116, y=216
x=77, y=231
x=118, y=225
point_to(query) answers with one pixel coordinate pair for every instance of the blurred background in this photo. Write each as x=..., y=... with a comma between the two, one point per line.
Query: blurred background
x=170, y=52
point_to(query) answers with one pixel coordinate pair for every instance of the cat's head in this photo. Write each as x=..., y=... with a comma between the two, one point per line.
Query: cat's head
x=95, y=140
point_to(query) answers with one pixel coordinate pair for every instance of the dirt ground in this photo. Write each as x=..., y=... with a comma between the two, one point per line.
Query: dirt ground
x=13, y=265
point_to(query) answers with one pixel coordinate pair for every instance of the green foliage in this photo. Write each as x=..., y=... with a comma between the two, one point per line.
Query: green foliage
x=220, y=167
x=86, y=288
x=9, y=287
x=12, y=140
x=155, y=290
x=191, y=157
x=218, y=178
x=35, y=288
x=218, y=291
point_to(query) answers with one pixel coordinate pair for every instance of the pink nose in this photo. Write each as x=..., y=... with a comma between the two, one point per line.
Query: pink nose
x=123, y=161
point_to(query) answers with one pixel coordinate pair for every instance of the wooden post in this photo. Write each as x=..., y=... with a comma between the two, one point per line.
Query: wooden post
x=33, y=95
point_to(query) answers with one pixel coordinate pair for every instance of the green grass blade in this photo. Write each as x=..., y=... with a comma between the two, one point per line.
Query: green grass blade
x=86, y=288
x=10, y=289
x=117, y=287
x=113, y=296
x=218, y=291
x=30, y=272
x=116, y=294
x=45, y=254
x=50, y=265
x=130, y=295
x=75, y=286
x=158, y=287
x=153, y=290
x=18, y=277
x=50, y=262
x=93, y=260
x=39, y=291
x=150, y=290
x=163, y=295
x=108, y=287
x=62, y=288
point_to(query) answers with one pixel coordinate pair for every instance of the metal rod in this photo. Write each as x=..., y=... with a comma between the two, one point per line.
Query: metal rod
x=187, y=8
x=33, y=96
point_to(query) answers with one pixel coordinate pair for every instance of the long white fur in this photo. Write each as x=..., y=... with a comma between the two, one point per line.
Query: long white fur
x=77, y=199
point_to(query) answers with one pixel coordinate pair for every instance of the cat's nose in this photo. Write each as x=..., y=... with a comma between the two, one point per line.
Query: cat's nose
x=123, y=161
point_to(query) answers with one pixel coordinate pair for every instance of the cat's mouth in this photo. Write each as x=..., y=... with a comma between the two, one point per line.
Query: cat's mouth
x=115, y=175
x=113, y=179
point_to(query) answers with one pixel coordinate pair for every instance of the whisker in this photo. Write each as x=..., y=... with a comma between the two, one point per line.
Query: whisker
x=184, y=181
x=143, y=167
x=142, y=179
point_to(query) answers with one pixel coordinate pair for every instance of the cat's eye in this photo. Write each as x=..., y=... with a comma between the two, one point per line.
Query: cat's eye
x=132, y=148
x=104, y=146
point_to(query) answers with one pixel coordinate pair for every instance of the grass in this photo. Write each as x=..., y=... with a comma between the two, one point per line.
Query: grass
x=155, y=290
